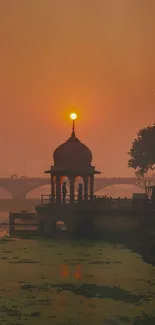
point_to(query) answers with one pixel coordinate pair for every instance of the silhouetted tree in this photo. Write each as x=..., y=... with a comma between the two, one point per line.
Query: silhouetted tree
x=142, y=152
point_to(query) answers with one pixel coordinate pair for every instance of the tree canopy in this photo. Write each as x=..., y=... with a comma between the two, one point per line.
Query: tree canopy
x=142, y=152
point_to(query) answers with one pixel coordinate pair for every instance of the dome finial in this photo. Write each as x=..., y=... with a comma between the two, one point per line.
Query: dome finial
x=73, y=117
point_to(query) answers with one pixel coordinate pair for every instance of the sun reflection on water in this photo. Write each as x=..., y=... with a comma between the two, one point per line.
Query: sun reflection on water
x=65, y=272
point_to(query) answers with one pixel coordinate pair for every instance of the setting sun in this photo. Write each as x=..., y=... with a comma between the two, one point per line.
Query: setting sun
x=73, y=116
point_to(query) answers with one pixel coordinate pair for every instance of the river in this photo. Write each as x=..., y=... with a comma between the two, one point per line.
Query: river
x=81, y=282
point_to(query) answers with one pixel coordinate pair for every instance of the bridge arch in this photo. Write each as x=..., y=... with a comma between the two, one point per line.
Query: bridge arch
x=5, y=193
x=119, y=190
x=44, y=189
x=38, y=191
x=119, y=184
x=60, y=226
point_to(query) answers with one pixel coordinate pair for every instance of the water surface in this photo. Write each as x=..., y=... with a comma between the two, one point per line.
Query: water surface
x=65, y=282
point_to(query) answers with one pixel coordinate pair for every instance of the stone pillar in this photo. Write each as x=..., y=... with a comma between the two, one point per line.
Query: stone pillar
x=58, y=189
x=52, y=188
x=91, y=187
x=72, y=180
x=86, y=188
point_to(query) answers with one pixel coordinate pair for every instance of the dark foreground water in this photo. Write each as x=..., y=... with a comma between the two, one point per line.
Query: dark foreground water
x=63, y=282
x=74, y=282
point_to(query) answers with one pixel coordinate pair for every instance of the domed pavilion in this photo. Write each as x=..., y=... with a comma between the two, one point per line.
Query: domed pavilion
x=72, y=160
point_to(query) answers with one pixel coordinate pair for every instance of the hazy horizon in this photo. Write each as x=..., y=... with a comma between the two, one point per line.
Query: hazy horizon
x=92, y=57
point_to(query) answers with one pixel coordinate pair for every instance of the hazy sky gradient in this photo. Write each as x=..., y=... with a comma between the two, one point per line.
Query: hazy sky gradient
x=97, y=56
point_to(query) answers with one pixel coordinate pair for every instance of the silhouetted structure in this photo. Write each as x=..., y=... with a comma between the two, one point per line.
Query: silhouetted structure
x=72, y=160
x=84, y=212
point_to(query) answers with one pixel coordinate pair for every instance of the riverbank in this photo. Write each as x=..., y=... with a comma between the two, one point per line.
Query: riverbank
x=143, y=245
x=146, y=248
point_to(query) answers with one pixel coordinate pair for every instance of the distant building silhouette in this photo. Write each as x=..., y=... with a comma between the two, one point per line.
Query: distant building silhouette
x=72, y=159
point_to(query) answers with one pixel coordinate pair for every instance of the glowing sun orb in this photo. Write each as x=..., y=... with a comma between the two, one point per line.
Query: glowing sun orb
x=73, y=116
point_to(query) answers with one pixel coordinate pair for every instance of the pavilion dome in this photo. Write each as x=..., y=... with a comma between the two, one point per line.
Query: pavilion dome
x=72, y=153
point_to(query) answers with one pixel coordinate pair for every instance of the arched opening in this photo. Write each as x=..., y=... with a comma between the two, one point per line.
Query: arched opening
x=37, y=192
x=65, y=189
x=60, y=227
x=5, y=194
x=78, y=188
x=120, y=190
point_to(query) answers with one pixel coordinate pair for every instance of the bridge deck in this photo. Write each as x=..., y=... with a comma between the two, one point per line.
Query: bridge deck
x=19, y=187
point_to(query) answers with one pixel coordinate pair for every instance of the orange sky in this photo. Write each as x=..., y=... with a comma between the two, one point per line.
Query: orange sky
x=95, y=55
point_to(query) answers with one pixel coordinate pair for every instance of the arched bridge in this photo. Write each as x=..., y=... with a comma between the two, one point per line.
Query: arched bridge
x=20, y=187
x=104, y=182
